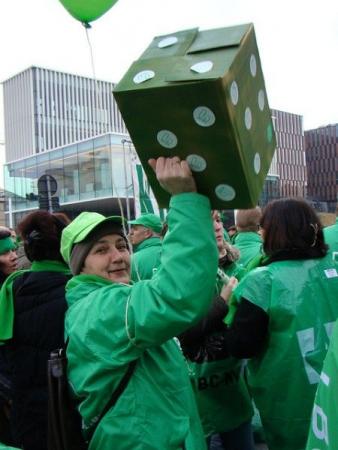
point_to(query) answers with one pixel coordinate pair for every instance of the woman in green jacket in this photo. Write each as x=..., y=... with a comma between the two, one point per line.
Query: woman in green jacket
x=111, y=323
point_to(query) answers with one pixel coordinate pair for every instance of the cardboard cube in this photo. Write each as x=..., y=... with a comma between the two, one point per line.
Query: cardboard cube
x=201, y=95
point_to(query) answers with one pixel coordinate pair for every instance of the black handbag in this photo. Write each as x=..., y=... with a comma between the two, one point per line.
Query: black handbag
x=64, y=420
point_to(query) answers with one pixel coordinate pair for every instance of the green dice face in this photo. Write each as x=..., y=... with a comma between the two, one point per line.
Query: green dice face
x=201, y=96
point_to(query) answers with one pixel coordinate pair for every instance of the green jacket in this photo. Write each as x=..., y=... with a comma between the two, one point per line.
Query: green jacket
x=146, y=258
x=110, y=325
x=249, y=245
x=331, y=237
x=300, y=298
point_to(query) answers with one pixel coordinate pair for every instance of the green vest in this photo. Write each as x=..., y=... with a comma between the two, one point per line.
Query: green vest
x=221, y=393
x=323, y=433
x=300, y=298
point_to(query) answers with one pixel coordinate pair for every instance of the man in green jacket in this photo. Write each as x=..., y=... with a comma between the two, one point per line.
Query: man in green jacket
x=111, y=323
x=145, y=238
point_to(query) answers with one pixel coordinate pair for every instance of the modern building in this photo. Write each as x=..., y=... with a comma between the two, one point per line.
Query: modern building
x=45, y=109
x=69, y=127
x=321, y=147
x=98, y=174
x=290, y=154
x=287, y=176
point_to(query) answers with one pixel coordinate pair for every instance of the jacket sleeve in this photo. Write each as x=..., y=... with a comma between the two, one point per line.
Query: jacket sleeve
x=247, y=335
x=181, y=291
x=211, y=323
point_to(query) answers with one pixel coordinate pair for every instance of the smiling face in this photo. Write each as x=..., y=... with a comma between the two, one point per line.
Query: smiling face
x=109, y=258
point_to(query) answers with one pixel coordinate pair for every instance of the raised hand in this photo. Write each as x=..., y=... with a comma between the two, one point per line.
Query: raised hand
x=173, y=175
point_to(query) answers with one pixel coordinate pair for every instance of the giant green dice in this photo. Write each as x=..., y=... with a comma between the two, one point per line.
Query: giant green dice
x=201, y=95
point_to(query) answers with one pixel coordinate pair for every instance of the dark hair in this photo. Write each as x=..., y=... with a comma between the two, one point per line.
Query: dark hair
x=41, y=233
x=291, y=225
x=4, y=233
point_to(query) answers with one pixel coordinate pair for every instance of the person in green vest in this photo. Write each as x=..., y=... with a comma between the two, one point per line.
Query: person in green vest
x=323, y=434
x=331, y=236
x=111, y=323
x=248, y=240
x=145, y=237
x=284, y=321
x=221, y=393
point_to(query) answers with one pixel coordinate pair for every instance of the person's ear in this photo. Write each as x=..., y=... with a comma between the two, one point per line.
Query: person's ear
x=148, y=232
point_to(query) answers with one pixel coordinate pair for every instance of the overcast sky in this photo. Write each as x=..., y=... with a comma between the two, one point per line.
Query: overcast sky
x=297, y=40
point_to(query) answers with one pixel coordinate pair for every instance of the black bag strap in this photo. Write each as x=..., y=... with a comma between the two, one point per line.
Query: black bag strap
x=116, y=394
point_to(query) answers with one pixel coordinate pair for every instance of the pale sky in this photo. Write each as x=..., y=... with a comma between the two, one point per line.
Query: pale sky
x=297, y=41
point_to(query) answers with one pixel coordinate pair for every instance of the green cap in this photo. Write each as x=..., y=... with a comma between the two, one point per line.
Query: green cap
x=151, y=221
x=80, y=228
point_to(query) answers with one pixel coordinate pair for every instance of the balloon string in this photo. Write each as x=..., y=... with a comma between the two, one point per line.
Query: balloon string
x=99, y=101
x=98, y=91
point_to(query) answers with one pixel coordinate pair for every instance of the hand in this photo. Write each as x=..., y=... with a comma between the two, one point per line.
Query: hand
x=228, y=288
x=173, y=175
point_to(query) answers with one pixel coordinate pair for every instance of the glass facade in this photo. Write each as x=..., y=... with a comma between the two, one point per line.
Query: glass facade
x=97, y=168
x=271, y=190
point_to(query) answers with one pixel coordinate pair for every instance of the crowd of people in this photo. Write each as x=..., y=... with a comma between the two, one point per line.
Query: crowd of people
x=218, y=340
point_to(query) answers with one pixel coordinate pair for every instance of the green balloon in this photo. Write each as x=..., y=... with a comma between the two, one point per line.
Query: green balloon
x=87, y=10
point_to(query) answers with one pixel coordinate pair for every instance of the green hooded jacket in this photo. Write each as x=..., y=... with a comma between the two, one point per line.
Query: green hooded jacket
x=300, y=298
x=109, y=325
x=146, y=258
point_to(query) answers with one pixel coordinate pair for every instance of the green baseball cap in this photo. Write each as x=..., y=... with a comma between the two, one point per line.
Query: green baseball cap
x=151, y=221
x=80, y=228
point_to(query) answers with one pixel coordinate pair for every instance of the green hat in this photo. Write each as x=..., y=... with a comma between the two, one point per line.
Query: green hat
x=151, y=221
x=80, y=228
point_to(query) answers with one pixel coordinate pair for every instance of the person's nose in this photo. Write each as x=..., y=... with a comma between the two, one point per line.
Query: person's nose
x=115, y=256
x=217, y=226
x=14, y=256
